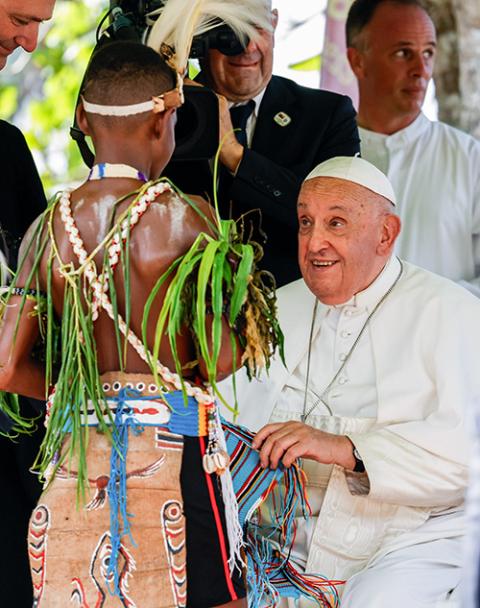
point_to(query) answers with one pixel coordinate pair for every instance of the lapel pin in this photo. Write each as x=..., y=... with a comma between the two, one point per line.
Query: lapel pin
x=282, y=119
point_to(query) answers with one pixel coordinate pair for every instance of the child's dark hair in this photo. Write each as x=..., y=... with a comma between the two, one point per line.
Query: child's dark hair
x=126, y=72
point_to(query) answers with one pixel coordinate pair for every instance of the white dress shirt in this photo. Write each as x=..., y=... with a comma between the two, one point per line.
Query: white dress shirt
x=435, y=172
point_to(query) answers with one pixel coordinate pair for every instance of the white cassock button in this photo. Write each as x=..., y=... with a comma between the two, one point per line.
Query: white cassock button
x=349, y=313
x=342, y=380
x=345, y=333
x=342, y=356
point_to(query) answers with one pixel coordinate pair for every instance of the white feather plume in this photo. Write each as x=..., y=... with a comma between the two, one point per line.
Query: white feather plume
x=180, y=21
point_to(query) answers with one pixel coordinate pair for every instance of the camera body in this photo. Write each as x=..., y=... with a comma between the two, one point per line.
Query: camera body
x=136, y=14
x=131, y=15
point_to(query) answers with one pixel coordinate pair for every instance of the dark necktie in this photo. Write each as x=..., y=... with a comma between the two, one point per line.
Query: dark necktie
x=239, y=116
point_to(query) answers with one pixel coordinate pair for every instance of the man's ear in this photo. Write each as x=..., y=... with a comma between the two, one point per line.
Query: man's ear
x=160, y=122
x=355, y=59
x=82, y=121
x=390, y=230
x=274, y=19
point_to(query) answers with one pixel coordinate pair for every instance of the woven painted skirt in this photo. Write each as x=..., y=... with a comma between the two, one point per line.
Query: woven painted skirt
x=171, y=506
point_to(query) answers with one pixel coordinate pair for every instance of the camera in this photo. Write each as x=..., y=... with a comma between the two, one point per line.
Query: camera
x=197, y=128
x=137, y=16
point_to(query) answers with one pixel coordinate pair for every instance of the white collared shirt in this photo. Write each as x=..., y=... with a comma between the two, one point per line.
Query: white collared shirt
x=435, y=172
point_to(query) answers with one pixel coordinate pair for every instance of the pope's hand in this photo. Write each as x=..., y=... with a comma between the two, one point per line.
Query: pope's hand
x=287, y=441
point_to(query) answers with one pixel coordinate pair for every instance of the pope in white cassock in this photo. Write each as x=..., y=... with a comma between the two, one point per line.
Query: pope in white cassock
x=381, y=367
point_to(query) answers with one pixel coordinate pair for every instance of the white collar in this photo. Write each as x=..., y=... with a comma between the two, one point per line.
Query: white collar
x=403, y=136
x=369, y=297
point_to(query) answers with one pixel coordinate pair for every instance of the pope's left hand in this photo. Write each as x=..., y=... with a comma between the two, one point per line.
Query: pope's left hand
x=287, y=441
x=231, y=152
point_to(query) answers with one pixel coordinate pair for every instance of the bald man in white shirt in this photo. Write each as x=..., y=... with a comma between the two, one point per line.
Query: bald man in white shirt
x=433, y=167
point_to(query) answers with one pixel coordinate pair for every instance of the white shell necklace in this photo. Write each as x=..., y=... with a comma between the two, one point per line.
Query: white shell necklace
x=99, y=283
x=103, y=170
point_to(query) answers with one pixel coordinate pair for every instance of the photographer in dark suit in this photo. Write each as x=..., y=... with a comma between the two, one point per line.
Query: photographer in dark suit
x=22, y=200
x=284, y=130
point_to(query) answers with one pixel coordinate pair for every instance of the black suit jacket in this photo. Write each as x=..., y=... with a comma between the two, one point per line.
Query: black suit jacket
x=271, y=172
x=22, y=196
x=22, y=200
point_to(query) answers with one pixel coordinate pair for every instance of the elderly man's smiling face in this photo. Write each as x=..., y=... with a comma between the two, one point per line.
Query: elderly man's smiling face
x=346, y=235
x=242, y=77
x=19, y=22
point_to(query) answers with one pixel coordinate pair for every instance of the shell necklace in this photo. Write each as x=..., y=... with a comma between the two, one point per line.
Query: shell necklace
x=103, y=170
x=215, y=458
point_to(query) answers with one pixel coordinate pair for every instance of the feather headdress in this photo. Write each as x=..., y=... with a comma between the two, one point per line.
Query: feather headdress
x=179, y=21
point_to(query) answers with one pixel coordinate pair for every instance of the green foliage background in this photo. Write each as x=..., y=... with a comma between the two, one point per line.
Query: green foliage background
x=38, y=92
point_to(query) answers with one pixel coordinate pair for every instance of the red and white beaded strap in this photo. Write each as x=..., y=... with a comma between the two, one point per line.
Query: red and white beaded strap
x=99, y=285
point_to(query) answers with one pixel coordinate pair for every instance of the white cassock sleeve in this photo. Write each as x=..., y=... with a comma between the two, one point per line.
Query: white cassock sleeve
x=423, y=461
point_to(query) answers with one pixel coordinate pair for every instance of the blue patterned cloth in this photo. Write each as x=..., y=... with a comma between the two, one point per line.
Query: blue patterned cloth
x=269, y=572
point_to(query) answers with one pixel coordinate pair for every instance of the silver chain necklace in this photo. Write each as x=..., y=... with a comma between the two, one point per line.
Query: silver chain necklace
x=321, y=398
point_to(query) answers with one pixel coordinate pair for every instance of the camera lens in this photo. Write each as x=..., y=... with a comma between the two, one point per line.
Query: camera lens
x=196, y=131
x=187, y=122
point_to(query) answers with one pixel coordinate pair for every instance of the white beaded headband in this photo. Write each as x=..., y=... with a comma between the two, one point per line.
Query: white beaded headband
x=156, y=104
x=171, y=99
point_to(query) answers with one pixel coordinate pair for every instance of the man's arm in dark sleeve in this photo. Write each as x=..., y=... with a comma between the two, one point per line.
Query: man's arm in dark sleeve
x=23, y=198
x=273, y=188
x=33, y=201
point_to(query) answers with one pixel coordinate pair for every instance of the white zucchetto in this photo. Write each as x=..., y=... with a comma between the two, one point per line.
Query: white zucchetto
x=357, y=170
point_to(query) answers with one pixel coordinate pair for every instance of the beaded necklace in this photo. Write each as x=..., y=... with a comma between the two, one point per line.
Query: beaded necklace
x=99, y=283
x=215, y=458
x=103, y=170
